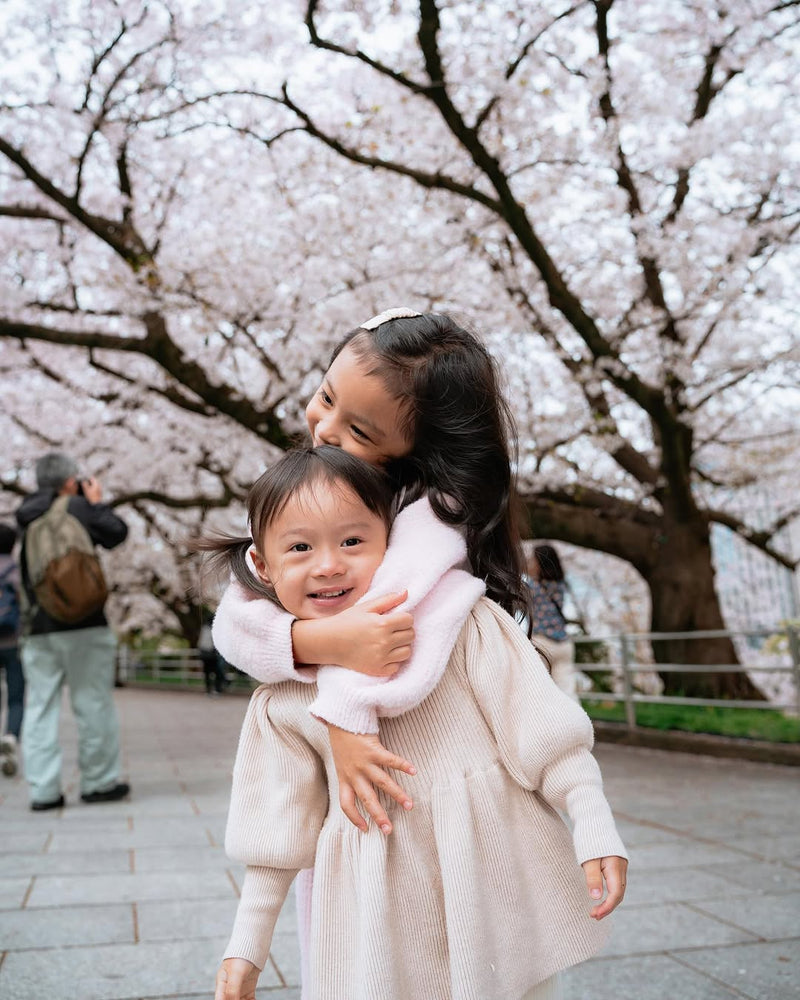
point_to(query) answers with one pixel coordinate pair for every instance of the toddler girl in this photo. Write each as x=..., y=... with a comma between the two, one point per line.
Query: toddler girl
x=458, y=904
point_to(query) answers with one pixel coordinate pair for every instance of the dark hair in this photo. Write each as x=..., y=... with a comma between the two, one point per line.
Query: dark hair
x=54, y=469
x=461, y=429
x=270, y=493
x=550, y=567
x=8, y=536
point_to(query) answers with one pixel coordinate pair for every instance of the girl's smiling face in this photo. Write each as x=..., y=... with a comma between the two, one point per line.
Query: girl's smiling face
x=354, y=411
x=320, y=552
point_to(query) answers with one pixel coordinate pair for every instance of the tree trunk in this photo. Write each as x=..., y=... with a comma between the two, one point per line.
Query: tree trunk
x=684, y=599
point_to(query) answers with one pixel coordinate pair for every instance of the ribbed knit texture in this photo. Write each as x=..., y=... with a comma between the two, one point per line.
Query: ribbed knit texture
x=255, y=635
x=478, y=893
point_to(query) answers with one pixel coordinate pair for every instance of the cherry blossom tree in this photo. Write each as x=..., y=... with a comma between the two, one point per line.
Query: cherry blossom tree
x=196, y=203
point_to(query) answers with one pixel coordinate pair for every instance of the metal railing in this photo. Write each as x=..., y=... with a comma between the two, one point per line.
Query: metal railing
x=625, y=667
x=178, y=670
x=183, y=670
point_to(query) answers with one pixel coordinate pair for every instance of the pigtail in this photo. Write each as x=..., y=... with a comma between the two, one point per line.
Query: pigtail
x=226, y=555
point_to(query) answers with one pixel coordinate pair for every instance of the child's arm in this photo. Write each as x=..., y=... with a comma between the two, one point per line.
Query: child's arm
x=279, y=800
x=545, y=741
x=268, y=643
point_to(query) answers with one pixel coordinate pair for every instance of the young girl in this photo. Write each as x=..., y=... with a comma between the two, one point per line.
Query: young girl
x=418, y=396
x=456, y=905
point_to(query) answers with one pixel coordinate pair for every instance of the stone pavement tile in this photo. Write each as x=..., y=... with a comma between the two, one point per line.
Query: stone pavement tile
x=170, y=920
x=774, y=916
x=753, y=826
x=96, y=889
x=668, y=927
x=672, y=885
x=13, y=891
x=212, y=805
x=657, y=977
x=139, y=834
x=63, y=926
x=758, y=876
x=783, y=848
x=769, y=971
x=81, y=818
x=642, y=834
x=681, y=854
x=215, y=825
x=286, y=955
x=67, y=862
x=179, y=859
x=268, y=993
x=119, y=972
x=26, y=840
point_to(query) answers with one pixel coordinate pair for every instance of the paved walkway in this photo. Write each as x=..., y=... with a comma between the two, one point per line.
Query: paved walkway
x=135, y=899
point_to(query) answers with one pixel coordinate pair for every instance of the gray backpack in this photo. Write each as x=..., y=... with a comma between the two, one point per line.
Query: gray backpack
x=63, y=569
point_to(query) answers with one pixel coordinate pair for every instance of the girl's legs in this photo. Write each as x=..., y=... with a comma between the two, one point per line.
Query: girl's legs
x=550, y=989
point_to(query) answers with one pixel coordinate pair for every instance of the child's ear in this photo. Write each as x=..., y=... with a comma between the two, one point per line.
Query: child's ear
x=261, y=567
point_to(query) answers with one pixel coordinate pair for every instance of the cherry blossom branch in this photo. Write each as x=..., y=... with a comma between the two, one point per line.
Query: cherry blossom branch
x=121, y=237
x=322, y=43
x=762, y=539
x=515, y=63
x=159, y=347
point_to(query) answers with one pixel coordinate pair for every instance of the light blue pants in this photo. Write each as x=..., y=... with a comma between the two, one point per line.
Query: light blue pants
x=84, y=658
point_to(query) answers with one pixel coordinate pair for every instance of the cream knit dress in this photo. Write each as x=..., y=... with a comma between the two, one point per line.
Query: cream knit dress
x=478, y=893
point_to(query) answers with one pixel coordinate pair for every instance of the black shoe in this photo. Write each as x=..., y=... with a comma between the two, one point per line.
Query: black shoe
x=53, y=804
x=119, y=791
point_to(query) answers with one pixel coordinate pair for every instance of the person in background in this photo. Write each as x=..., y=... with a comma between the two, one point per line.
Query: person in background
x=213, y=665
x=546, y=583
x=9, y=650
x=81, y=654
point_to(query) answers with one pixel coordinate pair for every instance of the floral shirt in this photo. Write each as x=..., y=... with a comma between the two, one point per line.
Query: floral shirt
x=547, y=598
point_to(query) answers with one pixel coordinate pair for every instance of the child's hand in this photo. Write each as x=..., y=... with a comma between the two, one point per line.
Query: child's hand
x=236, y=980
x=614, y=870
x=370, y=639
x=360, y=761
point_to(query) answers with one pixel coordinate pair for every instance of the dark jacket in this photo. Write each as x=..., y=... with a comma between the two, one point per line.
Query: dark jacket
x=104, y=528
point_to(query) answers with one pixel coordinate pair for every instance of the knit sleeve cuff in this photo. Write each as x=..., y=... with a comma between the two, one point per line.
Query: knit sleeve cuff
x=263, y=893
x=255, y=636
x=594, y=832
x=346, y=699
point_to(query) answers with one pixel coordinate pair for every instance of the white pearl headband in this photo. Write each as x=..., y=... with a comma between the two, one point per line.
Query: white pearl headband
x=386, y=315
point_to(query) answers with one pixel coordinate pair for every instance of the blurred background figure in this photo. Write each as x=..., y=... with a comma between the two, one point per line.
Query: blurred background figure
x=546, y=582
x=213, y=664
x=9, y=650
x=60, y=648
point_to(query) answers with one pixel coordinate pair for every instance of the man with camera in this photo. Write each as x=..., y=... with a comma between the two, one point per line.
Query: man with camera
x=59, y=647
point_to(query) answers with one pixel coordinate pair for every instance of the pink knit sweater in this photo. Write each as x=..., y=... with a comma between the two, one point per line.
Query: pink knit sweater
x=254, y=634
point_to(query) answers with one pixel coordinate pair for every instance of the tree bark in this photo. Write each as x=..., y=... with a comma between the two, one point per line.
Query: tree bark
x=684, y=599
x=673, y=555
